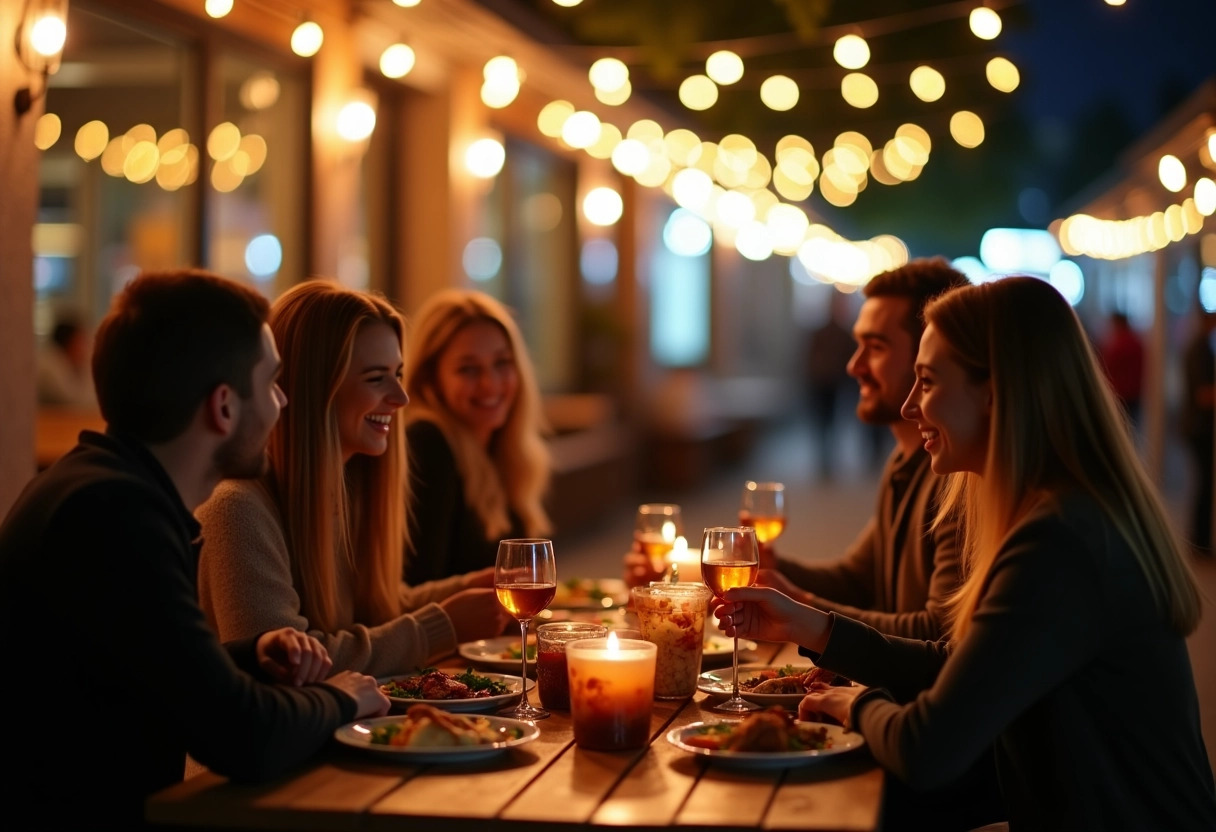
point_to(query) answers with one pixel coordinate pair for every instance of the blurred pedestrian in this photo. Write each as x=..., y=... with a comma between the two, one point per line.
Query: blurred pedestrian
x=1199, y=363
x=1122, y=353
x=829, y=349
x=64, y=377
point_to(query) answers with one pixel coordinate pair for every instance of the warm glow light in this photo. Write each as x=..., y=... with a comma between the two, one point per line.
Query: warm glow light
x=553, y=116
x=47, y=129
x=499, y=93
x=397, y=61
x=47, y=35
x=485, y=158
x=608, y=74
x=630, y=157
x=603, y=206
x=692, y=188
x=698, y=92
x=1115, y=2
x=610, y=137
x=779, y=92
x=356, y=120
x=1002, y=74
x=1172, y=173
x=306, y=39
x=859, y=90
x=407, y=4
x=224, y=140
x=569, y=4
x=724, y=67
x=254, y=148
x=582, y=129
x=985, y=23
x=851, y=52
x=1205, y=196
x=501, y=68
x=140, y=163
x=927, y=83
x=91, y=140
x=259, y=91
x=617, y=97
x=217, y=8
x=967, y=128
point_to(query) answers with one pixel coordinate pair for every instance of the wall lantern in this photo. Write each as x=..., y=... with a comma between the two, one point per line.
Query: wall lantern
x=39, y=45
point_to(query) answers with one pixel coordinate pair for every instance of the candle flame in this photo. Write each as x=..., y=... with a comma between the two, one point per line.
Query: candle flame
x=668, y=531
x=613, y=644
x=678, y=552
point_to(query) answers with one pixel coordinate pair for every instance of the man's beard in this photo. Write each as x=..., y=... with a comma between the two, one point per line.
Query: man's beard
x=243, y=455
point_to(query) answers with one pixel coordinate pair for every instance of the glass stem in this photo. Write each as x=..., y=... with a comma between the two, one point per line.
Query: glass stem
x=735, y=662
x=523, y=659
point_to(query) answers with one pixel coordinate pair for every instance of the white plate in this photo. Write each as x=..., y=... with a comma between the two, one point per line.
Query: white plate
x=721, y=682
x=842, y=741
x=489, y=651
x=590, y=594
x=358, y=735
x=481, y=703
x=725, y=645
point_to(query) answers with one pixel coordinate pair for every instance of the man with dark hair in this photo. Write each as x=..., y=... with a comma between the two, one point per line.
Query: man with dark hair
x=899, y=572
x=98, y=565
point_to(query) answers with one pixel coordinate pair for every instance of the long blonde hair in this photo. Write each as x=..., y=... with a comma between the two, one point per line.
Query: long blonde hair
x=353, y=511
x=1055, y=426
x=513, y=472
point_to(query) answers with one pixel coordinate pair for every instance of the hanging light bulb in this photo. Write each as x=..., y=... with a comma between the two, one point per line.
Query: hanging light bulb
x=306, y=39
x=217, y=8
x=397, y=61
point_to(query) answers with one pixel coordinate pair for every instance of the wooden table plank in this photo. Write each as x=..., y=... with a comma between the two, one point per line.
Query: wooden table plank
x=573, y=787
x=654, y=790
x=819, y=798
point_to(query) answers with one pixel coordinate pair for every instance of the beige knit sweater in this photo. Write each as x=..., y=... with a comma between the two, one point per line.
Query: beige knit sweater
x=246, y=588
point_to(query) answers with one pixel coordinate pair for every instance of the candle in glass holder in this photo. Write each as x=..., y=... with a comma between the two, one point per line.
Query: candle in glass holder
x=611, y=692
x=687, y=564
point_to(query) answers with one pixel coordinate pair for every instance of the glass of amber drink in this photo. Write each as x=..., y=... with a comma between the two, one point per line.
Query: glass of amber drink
x=655, y=531
x=763, y=508
x=525, y=579
x=729, y=558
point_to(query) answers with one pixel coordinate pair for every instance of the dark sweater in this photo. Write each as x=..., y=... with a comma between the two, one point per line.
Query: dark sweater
x=899, y=572
x=114, y=674
x=1067, y=667
x=447, y=537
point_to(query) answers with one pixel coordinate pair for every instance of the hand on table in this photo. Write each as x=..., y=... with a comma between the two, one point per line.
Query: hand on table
x=369, y=699
x=292, y=657
x=476, y=613
x=832, y=701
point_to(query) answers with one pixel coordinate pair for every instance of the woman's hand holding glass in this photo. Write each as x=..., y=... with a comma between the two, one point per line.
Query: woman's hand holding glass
x=763, y=613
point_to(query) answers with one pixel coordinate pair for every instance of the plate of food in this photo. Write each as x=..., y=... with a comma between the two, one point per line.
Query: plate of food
x=500, y=653
x=467, y=691
x=771, y=738
x=426, y=734
x=590, y=594
x=768, y=685
x=716, y=645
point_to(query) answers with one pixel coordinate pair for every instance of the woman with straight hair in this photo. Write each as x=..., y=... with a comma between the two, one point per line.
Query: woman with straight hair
x=1067, y=646
x=475, y=429
x=317, y=542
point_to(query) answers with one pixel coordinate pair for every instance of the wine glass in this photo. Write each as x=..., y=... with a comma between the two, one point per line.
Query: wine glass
x=525, y=579
x=655, y=531
x=763, y=508
x=729, y=559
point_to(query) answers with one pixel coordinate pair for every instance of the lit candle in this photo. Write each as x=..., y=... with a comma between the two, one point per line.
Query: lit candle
x=687, y=563
x=611, y=691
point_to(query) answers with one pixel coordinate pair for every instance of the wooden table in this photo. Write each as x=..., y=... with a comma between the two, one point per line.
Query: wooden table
x=547, y=784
